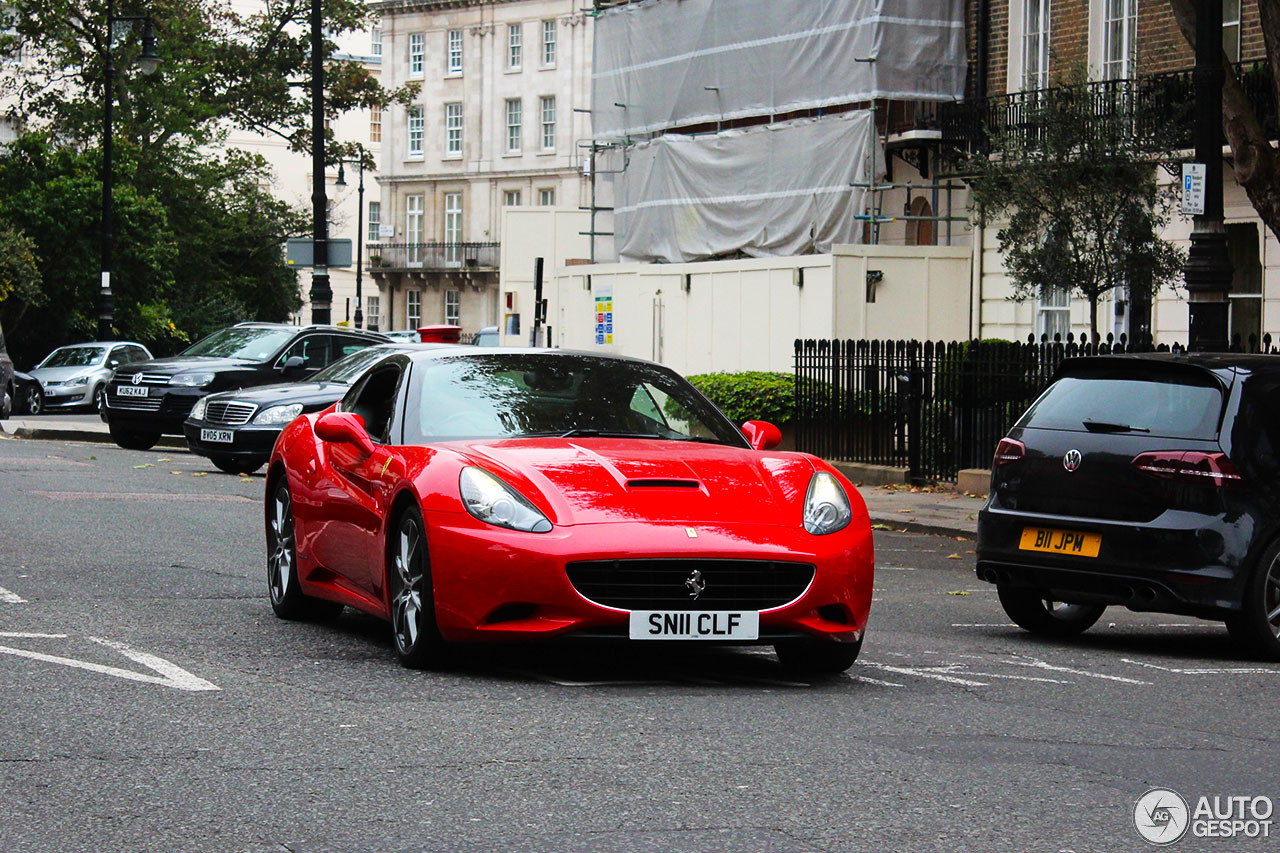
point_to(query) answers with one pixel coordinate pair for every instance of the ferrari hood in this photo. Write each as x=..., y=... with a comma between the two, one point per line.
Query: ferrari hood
x=595, y=480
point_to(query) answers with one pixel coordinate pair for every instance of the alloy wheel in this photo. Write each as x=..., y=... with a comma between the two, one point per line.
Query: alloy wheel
x=281, y=546
x=406, y=601
x=1271, y=597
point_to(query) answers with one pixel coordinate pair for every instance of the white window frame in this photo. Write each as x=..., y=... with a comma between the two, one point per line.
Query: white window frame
x=453, y=129
x=511, y=198
x=513, y=116
x=547, y=104
x=1053, y=313
x=1231, y=30
x=413, y=222
x=415, y=127
x=417, y=54
x=375, y=40
x=547, y=197
x=453, y=52
x=452, y=306
x=413, y=308
x=373, y=312
x=548, y=43
x=373, y=220
x=375, y=123
x=515, y=46
x=1118, y=64
x=1035, y=44
x=453, y=229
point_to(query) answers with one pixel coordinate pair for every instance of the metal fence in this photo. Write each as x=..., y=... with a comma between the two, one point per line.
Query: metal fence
x=935, y=408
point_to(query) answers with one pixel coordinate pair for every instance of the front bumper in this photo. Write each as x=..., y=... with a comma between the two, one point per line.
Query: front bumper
x=248, y=441
x=163, y=410
x=1181, y=562
x=66, y=396
x=495, y=585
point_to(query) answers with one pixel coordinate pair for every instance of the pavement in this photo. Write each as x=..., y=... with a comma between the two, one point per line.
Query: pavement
x=939, y=510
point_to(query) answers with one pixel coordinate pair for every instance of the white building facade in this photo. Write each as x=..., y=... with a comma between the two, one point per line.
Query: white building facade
x=506, y=87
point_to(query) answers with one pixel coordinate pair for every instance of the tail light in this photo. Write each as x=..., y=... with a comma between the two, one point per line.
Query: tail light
x=1008, y=451
x=1188, y=466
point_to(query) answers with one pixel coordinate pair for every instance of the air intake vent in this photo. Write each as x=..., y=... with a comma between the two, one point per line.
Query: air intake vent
x=662, y=484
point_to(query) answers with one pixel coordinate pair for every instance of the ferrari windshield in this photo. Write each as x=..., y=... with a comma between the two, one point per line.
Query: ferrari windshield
x=74, y=357
x=256, y=343
x=531, y=394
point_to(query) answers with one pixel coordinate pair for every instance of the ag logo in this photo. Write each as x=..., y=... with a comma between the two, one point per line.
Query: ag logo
x=1161, y=816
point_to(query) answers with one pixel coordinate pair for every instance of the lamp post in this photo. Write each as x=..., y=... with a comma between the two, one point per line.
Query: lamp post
x=148, y=62
x=342, y=182
x=321, y=295
x=1208, y=269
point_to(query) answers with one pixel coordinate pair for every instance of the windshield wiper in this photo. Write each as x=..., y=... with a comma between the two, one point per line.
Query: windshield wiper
x=1106, y=426
x=602, y=433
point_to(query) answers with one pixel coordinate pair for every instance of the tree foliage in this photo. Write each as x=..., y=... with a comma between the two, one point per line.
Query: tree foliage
x=1078, y=197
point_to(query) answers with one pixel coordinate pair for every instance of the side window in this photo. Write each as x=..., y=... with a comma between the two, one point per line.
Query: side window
x=655, y=409
x=344, y=346
x=120, y=355
x=374, y=400
x=316, y=350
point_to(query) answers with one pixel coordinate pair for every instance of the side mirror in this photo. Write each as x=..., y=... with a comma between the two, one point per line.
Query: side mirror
x=762, y=435
x=293, y=362
x=344, y=428
x=115, y=362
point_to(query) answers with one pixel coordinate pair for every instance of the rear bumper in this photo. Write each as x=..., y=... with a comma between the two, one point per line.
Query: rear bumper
x=1182, y=562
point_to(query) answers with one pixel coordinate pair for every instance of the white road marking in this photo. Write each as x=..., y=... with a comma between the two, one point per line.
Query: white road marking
x=877, y=682
x=1235, y=670
x=894, y=569
x=171, y=675
x=924, y=673
x=1039, y=664
x=983, y=625
x=7, y=597
x=23, y=635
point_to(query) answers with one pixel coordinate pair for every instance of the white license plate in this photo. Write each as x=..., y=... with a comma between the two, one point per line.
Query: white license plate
x=131, y=391
x=695, y=625
x=223, y=435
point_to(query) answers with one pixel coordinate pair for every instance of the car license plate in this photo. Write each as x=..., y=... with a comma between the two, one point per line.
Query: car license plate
x=1070, y=542
x=131, y=391
x=695, y=625
x=222, y=435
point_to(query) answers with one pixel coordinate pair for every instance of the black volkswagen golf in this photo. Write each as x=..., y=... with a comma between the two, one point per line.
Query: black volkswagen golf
x=1148, y=481
x=148, y=399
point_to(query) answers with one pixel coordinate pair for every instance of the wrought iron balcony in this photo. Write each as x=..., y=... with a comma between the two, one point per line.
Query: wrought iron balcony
x=1158, y=109
x=432, y=257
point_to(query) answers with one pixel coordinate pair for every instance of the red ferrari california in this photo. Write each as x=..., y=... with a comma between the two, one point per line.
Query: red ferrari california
x=515, y=495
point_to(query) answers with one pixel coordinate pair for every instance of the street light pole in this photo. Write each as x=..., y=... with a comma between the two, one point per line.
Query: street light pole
x=1208, y=269
x=321, y=293
x=147, y=64
x=359, y=236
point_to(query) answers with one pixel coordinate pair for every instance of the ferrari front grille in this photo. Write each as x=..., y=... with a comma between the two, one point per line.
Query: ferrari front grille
x=670, y=584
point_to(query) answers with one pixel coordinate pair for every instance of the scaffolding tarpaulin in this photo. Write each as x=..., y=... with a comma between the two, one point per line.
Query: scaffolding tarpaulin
x=782, y=189
x=678, y=63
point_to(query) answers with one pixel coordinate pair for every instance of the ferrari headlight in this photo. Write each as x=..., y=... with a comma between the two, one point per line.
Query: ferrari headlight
x=826, y=506
x=494, y=502
x=278, y=414
x=197, y=411
x=192, y=380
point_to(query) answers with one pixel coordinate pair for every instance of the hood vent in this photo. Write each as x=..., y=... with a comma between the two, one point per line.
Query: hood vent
x=662, y=484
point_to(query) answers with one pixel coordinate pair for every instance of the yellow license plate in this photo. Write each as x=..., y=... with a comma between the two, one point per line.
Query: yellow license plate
x=1070, y=542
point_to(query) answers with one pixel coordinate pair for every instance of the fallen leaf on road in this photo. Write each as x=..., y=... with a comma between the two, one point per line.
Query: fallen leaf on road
x=164, y=460
x=175, y=472
x=200, y=474
x=144, y=465
x=881, y=527
x=959, y=592
x=953, y=556
x=906, y=510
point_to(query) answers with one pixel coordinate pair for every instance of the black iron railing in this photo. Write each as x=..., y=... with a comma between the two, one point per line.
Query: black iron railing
x=934, y=408
x=1157, y=110
x=387, y=257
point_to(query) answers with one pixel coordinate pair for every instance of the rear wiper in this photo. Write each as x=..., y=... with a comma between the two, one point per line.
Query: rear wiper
x=1106, y=426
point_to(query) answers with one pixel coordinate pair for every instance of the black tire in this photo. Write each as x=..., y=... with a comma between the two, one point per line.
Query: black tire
x=134, y=439
x=232, y=465
x=34, y=402
x=413, y=611
x=99, y=398
x=1256, y=628
x=1030, y=610
x=287, y=598
x=817, y=657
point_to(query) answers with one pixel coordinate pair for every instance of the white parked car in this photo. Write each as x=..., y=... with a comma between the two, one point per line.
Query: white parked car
x=76, y=375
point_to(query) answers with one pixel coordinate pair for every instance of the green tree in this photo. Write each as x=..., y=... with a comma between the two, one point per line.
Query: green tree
x=1076, y=190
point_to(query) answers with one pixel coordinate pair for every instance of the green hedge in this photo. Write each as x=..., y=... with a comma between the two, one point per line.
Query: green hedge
x=750, y=396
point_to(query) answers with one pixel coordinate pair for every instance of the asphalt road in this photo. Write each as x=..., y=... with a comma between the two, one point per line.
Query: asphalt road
x=152, y=702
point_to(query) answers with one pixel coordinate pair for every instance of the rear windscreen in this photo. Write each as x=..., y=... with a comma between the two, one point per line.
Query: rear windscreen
x=1173, y=409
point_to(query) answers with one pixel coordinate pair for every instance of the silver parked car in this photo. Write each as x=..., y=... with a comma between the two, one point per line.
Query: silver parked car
x=77, y=374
